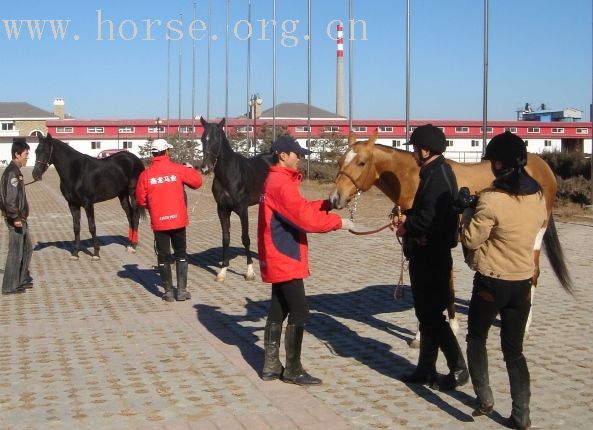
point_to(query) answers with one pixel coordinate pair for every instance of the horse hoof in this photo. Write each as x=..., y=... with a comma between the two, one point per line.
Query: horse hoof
x=415, y=344
x=250, y=277
x=74, y=257
x=95, y=258
x=220, y=278
x=131, y=250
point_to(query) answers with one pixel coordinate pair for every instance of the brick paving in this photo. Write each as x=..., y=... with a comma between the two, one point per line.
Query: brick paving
x=92, y=345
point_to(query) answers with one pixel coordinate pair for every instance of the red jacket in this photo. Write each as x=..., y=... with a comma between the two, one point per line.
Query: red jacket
x=284, y=219
x=160, y=189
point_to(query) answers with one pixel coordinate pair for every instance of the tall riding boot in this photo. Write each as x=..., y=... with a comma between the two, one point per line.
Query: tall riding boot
x=458, y=374
x=272, y=366
x=520, y=393
x=294, y=372
x=166, y=281
x=425, y=372
x=477, y=360
x=181, y=269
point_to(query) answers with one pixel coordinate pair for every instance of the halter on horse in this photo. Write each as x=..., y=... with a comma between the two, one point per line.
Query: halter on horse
x=395, y=173
x=85, y=181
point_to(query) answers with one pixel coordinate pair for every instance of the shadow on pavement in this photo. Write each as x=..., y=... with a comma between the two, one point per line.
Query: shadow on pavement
x=147, y=278
x=86, y=245
x=212, y=257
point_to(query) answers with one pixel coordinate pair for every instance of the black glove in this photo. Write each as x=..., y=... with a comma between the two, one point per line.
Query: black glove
x=464, y=200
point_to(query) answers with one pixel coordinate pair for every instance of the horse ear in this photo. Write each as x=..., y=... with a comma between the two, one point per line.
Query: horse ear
x=203, y=121
x=373, y=137
x=351, y=138
x=222, y=122
x=48, y=136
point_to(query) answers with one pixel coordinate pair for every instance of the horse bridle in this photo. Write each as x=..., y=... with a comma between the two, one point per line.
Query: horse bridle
x=48, y=162
x=210, y=153
x=352, y=207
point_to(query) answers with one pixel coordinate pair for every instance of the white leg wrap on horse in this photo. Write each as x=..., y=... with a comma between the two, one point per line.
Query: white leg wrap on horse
x=221, y=275
x=250, y=275
x=454, y=324
x=538, y=239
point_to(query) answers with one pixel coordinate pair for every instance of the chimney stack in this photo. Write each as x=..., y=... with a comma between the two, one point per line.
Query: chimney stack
x=340, y=73
x=59, y=108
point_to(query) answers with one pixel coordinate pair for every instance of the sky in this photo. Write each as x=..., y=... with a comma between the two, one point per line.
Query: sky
x=112, y=59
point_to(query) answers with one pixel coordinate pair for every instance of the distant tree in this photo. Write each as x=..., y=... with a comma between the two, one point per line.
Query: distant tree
x=184, y=148
x=329, y=146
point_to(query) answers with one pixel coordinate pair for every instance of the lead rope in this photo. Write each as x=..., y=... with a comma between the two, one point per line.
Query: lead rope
x=398, y=291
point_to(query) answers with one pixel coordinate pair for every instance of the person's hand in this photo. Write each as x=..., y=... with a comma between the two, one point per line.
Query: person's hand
x=18, y=223
x=347, y=224
x=186, y=164
x=396, y=222
x=401, y=230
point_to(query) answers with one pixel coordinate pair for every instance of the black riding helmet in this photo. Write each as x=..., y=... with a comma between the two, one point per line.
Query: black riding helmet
x=430, y=137
x=508, y=148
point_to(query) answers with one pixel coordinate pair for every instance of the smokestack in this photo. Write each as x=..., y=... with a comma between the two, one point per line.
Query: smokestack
x=340, y=73
x=59, y=108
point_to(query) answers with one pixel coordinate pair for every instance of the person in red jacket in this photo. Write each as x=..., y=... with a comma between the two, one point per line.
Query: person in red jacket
x=284, y=219
x=161, y=190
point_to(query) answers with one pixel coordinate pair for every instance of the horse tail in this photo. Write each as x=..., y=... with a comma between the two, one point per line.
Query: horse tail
x=556, y=256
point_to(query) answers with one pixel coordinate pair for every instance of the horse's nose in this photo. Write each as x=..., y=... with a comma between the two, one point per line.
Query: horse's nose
x=334, y=200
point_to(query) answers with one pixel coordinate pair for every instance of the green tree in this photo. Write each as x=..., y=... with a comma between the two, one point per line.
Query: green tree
x=329, y=146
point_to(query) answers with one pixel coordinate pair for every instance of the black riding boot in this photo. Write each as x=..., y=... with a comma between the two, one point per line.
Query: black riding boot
x=166, y=281
x=181, y=269
x=272, y=366
x=520, y=394
x=294, y=372
x=425, y=372
x=458, y=374
x=477, y=360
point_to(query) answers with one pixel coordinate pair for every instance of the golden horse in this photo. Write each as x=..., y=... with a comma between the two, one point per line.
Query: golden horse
x=395, y=173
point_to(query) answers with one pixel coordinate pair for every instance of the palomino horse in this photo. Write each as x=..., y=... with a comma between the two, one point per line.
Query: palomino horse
x=85, y=180
x=395, y=173
x=237, y=184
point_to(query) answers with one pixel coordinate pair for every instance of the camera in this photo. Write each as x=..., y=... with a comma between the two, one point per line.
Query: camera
x=465, y=200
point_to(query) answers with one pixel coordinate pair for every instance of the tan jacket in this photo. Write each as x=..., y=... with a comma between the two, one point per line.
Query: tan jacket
x=501, y=234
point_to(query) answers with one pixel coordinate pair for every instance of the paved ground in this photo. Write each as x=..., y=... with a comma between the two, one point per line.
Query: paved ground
x=92, y=346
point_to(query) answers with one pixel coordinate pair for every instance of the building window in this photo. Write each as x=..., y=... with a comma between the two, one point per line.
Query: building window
x=159, y=129
x=442, y=129
x=244, y=129
x=185, y=129
x=449, y=143
x=331, y=129
x=547, y=143
x=385, y=129
x=488, y=129
x=532, y=129
x=359, y=128
x=557, y=130
x=95, y=145
x=412, y=129
x=461, y=129
x=301, y=128
x=126, y=129
x=396, y=143
x=95, y=130
x=582, y=130
x=6, y=126
x=127, y=144
x=475, y=142
x=64, y=130
x=511, y=129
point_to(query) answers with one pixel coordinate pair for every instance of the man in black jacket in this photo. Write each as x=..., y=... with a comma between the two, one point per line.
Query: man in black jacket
x=430, y=230
x=16, y=210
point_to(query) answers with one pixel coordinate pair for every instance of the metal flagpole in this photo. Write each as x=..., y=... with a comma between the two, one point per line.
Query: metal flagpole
x=350, y=63
x=309, y=86
x=407, y=74
x=193, y=87
x=274, y=74
x=226, y=65
x=168, y=81
x=485, y=101
x=248, y=78
x=180, y=69
x=209, y=66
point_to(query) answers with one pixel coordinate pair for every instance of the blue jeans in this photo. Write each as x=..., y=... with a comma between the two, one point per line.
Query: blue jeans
x=20, y=250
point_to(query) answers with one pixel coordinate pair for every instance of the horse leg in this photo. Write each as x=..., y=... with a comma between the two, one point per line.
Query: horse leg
x=244, y=216
x=90, y=216
x=127, y=207
x=75, y=211
x=224, y=215
x=453, y=323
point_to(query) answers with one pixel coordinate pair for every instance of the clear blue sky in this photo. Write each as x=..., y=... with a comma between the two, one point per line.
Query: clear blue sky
x=540, y=52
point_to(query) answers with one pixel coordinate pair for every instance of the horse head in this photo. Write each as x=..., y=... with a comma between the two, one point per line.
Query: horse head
x=43, y=156
x=212, y=143
x=356, y=170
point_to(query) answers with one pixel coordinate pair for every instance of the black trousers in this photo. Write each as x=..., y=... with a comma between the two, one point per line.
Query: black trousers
x=429, y=275
x=163, y=240
x=288, y=299
x=512, y=299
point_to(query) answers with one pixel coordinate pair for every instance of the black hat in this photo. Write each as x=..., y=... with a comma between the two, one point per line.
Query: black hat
x=21, y=140
x=430, y=137
x=286, y=143
x=508, y=148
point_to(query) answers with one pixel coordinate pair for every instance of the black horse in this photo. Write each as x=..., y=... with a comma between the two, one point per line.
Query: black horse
x=85, y=180
x=237, y=184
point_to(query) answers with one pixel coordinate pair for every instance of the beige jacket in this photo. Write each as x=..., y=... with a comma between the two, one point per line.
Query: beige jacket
x=501, y=234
